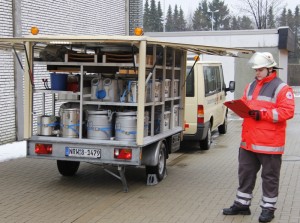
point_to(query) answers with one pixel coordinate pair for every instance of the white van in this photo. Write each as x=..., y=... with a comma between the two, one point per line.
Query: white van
x=204, y=108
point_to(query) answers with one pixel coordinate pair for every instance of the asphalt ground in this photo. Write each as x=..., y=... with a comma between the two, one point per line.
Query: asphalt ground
x=198, y=186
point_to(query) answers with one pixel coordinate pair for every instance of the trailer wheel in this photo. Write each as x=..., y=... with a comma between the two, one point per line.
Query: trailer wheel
x=161, y=168
x=205, y=143
x=67, y=168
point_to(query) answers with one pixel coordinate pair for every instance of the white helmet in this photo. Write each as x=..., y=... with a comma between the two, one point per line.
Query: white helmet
x=259, y=60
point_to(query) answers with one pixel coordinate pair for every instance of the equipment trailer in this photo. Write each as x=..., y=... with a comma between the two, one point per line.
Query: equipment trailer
x=109, y=100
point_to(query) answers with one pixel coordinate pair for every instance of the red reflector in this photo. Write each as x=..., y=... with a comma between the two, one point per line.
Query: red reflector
x=200, y=120
x=125, y=154
x=186, y=125
x=43, y=148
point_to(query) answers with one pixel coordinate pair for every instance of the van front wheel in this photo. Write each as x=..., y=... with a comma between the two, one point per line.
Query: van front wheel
x=223, y=128
x=205, y=143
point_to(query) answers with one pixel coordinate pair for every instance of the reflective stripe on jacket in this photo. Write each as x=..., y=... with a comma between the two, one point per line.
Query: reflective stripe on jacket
x=275, y=100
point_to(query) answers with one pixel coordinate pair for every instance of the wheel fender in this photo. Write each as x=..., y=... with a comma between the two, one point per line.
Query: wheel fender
x=150, y=154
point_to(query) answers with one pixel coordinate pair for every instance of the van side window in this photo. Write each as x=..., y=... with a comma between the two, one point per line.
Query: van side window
x=212, y=80
x=190, y=87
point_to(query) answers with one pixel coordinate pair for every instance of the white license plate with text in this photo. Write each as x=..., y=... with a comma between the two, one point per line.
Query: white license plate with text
x=80, y=152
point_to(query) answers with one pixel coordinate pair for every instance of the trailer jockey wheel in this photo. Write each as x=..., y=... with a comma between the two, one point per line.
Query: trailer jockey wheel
x=160, y=169
x=67, y=168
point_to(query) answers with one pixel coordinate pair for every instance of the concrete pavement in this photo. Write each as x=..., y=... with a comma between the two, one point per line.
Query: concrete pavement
x=199, y=184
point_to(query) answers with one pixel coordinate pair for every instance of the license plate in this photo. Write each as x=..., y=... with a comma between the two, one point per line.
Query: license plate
x=80, y=152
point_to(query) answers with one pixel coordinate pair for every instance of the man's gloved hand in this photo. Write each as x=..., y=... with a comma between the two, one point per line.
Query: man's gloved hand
x=255, y=114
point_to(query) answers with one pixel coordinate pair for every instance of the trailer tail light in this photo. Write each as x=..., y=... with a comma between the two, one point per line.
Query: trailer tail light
x=123, y=153
x=43, y=148
x=200, y=114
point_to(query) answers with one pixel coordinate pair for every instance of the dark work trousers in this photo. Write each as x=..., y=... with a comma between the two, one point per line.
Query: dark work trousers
x=249, y=165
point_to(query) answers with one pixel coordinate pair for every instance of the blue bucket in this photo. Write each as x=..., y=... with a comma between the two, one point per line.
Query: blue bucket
x=59, y=81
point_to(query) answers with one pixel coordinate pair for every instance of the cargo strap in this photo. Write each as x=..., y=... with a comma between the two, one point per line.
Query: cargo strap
x=71, y=127
x=125, y=132
x=54, y=124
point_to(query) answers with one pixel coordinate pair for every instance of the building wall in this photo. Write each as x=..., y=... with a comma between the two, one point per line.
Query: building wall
x=53, y=17
x=7, y=99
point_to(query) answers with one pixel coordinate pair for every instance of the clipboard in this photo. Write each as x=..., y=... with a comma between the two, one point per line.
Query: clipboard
x=239, y=107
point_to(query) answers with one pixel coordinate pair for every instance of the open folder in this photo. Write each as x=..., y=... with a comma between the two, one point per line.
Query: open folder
x=239, y=107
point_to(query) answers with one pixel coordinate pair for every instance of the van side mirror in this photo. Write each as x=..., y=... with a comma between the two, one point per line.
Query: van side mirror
x=231, y=87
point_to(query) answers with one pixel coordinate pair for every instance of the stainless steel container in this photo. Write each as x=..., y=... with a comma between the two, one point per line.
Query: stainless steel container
x=99, y=124
x=46, y=124
x=70, y=122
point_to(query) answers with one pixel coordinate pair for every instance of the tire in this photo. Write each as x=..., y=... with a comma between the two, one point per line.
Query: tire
x=223, y=128
x=206, y=143
x=67, y=168
x=161, y=168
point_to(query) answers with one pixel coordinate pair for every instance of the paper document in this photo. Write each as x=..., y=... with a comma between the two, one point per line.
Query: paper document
x=239, y=107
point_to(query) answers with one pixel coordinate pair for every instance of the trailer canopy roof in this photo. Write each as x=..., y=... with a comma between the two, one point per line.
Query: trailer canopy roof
x=40, y=41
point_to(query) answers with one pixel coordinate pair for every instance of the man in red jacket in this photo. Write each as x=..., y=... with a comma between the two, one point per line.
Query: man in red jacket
x=263, y=137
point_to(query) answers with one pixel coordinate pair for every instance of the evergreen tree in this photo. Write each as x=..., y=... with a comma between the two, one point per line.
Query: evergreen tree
x=283, y=18
x=271, y=19
x=241, y=23
x=169, y=20
x=235, y=23
x=201, y=18
x=175, y=18
x=181, y=21
x=221, y=17
x=246, y=23
x=146, y=20
x=197, y=17
x=160, y=19
x=153, y=16
x=297, y=21
x=189, y=22
x=290, y=19
x=206, y=16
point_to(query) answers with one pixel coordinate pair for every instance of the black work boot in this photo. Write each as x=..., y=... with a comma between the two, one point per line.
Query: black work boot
x=266, y=215
x=235, y=210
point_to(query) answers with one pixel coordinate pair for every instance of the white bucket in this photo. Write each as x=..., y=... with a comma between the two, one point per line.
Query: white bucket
x=176, y=87
x=70, y=122
x=175, y=115
x=167, y=119
x=113, y=89
x=157, y=91
x=106, y=89
x=96, y=84
x=132, y=96
x=46, y=124
x=99, y=124
x=162, y=125
x=167, y=88
x=126, y=126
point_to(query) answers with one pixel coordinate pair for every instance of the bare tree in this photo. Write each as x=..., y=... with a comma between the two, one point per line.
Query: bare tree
x=259, y=9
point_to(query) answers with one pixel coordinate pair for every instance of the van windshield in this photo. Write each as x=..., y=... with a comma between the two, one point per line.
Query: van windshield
x=190, y=87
